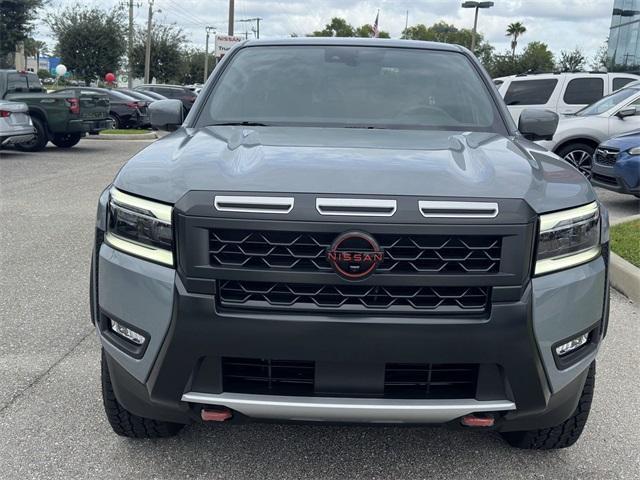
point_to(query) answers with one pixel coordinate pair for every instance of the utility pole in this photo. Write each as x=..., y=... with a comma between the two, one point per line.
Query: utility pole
x=257, y=20
x=231, y=15
x=147, y=57
x=206, y=54
x=130, y=47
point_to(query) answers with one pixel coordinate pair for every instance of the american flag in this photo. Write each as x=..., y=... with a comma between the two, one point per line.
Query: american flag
x=375, y=32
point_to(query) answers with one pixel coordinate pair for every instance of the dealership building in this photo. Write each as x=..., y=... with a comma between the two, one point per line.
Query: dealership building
x=624, y=41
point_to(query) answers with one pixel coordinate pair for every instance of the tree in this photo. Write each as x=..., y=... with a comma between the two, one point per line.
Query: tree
x=338, y=27
x=167, y=51
x=91, y=42
x=42, y=74
x=515, y=30
x=503, y=65
x=571, y=61
x=536, y=58
x=16, y=23
x=447, y=33
x=193, y=66
x=600, y=60
x=366, y=30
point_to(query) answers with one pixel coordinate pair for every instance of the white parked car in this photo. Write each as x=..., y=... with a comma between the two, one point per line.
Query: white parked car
x=559, y=92
x=15, y=123
x=578, y=135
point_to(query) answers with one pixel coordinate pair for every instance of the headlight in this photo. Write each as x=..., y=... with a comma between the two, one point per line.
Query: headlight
x=568, y=238
x=634, y=151
x=140, y=227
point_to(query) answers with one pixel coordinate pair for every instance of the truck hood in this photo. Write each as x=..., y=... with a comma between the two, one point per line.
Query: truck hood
x=346, y=161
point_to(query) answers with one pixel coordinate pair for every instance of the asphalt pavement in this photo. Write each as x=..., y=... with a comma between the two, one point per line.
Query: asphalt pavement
x=51, y=418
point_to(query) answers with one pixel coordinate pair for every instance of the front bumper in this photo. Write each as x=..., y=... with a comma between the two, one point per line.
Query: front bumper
x=180, y=369
x=622, y=177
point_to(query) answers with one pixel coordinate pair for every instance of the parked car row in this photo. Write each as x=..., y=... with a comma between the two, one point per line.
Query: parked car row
x=601, y=139
x=30, y=117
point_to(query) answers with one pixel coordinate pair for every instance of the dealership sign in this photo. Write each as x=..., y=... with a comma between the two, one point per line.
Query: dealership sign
x=224, y=43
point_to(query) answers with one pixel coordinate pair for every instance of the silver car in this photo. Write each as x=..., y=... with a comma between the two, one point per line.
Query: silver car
x=579, y=134
x=15, y=123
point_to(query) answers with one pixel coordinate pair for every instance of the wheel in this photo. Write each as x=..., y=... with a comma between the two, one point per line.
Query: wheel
x=580, y=155
x=115, y=121
x=563, y=435
x=38, y=142
x=66, y=140
x=125, y=423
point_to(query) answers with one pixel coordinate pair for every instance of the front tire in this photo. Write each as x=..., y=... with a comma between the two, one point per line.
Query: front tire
x=563, y=435
x=66, y=140
x=580, y=155
x=125, y=423
x=38, y=142
x=115, y=121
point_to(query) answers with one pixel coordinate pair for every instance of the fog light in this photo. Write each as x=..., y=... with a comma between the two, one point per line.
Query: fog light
x=127, y=333
x=572, y=345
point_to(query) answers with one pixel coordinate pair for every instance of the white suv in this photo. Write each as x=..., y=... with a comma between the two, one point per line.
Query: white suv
x=558, y=92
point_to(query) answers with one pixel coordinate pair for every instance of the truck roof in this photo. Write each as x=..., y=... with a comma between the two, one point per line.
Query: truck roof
x=356, y=41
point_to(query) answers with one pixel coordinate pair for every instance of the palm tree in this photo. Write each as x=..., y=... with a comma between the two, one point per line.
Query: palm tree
x=514, y=30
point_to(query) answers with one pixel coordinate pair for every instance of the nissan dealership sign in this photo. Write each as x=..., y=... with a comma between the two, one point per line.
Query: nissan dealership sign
x=224, y=43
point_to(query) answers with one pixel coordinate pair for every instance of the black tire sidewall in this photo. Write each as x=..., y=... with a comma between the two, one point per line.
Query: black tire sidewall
x=116, y=121
x=41, y=140
x=564, y=151
x=66, y=140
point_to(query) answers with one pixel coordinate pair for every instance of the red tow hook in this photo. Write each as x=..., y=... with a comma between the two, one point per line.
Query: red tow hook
x=474, y=421
x=215, y=414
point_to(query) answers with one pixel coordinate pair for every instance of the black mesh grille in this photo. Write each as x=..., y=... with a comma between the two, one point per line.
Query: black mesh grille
x=605, y=179
x=351, y=297
x=606, y=157
x=297, y=251
x=259, y=376
x=430, y=381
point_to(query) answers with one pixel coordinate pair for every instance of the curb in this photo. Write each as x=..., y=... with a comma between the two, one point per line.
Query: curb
x=624, y=276
x=138, y=136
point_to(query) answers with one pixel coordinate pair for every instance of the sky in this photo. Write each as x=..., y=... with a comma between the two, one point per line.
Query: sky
x=563, y=25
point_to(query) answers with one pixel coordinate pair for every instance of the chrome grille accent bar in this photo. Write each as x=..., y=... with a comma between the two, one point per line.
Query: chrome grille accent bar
x=438, y=209
x=360, y=207
x=225, y=203
x=370, y=410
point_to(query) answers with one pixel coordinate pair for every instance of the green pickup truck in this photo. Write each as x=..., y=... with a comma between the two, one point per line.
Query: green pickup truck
x=56, y=117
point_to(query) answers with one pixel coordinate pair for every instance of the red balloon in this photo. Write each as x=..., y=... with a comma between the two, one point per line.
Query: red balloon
x=110, y=77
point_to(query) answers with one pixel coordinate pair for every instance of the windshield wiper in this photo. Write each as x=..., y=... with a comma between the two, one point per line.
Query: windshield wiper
x=243, y=124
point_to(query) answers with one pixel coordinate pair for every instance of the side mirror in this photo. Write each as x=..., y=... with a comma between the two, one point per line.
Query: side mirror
x=626, y=112
x=166, y=115
x=538, y=124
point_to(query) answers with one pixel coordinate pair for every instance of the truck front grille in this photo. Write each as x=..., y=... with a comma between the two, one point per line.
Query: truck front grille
x=297, y=377
x=259, y=376
x=353, y=297
x=307, y=252
x=431, y=381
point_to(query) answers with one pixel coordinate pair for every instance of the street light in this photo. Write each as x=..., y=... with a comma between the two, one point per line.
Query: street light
x=477, y=6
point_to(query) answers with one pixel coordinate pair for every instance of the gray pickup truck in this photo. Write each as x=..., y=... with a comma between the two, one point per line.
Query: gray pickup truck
x=350, y=230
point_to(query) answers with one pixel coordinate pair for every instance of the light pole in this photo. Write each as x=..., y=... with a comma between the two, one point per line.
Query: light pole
x=206, y=54
x=477, y=6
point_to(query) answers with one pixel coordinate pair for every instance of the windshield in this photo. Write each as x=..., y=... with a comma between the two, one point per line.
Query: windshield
x=357, y=87
x=607, y=103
